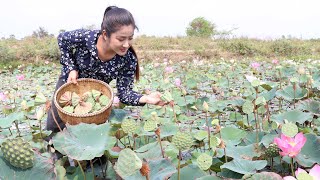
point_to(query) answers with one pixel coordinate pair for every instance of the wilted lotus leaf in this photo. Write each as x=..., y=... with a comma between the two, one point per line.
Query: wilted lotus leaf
x=69, y=109
x=83, y=108
x=95, y=93
x=65, y=99
x=86, y=96
x=75, y=99
x=104, y=100
x=96, y=107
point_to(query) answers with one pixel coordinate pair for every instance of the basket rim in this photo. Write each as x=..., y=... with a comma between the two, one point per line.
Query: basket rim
x=87, y=114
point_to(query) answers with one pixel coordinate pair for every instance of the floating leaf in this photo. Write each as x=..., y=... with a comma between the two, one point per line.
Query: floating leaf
x=7, y=121
x=232, y=135
x=293, y=117
x=191, y=171
x=310, y=151
x=263, y=175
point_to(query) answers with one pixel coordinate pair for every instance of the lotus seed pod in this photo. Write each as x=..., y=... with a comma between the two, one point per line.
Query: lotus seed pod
x=83, y=108
x=96, y=107
x=104, y=100
x=272, y=151
x=150, y=125
x=204, y=161
x=75, y=99
x=129, y=126
x=68, y=109
x=289, y=129
x=65, y=98
x=95, y=93
x=91, y=100
x=85, y=96
x=214, y=141
x=18, y=153
x=166, y=96
x=182, y=141
x=128, y=163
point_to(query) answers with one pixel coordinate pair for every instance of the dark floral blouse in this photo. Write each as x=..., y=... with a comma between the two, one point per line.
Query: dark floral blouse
x=79, y=52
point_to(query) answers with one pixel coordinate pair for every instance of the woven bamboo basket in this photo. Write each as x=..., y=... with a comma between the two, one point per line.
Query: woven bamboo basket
x=84, y=85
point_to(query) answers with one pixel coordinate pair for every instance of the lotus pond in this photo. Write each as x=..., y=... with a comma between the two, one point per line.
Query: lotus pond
x=225, y=119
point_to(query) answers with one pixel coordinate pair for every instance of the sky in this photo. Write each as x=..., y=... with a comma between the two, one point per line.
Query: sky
x=263, y=19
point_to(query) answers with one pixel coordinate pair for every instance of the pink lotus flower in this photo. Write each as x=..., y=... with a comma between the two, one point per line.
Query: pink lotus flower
x=177, y=82
x=255, y=65
x=20, y=77
x=169, y=69
x=290, y=146
x=3, y=97
x=314, y=173
x=275, y=61
x=116, y=101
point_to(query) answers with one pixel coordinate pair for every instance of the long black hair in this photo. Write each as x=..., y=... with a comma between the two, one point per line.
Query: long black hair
x=113, y=19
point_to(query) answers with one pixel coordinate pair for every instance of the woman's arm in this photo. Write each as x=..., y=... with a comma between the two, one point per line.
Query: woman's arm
x=68, y=42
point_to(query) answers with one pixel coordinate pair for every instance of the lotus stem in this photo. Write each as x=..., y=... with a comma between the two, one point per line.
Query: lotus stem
x=208, y=130
x=91, y=164
x=16, y=124
x=159, y=139
x=134, y=141
x=294, y=95
x=179, y=159
x=84, y=175
x=292, y=171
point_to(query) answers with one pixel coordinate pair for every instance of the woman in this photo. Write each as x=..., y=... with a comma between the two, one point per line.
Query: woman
x=105, y=55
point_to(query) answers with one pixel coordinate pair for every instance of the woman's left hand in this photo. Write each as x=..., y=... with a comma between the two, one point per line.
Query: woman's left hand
x=153, y=98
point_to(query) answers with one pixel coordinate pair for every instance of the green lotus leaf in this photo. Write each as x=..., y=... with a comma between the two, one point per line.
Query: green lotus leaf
x=292, y=116
x=289, y=94
x=244, y=166
x=263, y=175
x=83, y=141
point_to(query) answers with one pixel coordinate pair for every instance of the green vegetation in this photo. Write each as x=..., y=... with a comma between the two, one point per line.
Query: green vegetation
x=37, y=50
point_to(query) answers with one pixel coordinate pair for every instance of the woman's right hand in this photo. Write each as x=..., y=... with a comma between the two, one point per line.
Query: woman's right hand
x=73, y=76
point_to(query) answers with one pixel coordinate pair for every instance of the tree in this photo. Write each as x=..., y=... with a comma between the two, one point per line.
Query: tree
x=40, y=33
x=200, y=27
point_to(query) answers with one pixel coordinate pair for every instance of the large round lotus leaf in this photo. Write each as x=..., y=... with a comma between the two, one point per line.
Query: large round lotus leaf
x=201, y=135
x=293, y=116
x=244, y=166
x=263, y=175
x=128, y=163
x=247, y=152
x=43, y=168
x=152, y=150
x=289, y=129
x=310, y=105
x=309, y=154
x=159, y=169
x=7, y=121
x=191, y=171
x=232, y=135
x=83, y=141
x=288, y=93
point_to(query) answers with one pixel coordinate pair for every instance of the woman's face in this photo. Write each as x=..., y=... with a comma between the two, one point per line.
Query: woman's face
x=121, y=40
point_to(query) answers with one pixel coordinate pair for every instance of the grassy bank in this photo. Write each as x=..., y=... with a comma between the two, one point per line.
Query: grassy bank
x=34, y=50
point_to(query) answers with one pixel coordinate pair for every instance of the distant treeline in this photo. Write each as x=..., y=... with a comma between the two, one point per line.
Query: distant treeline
x=36, y=48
